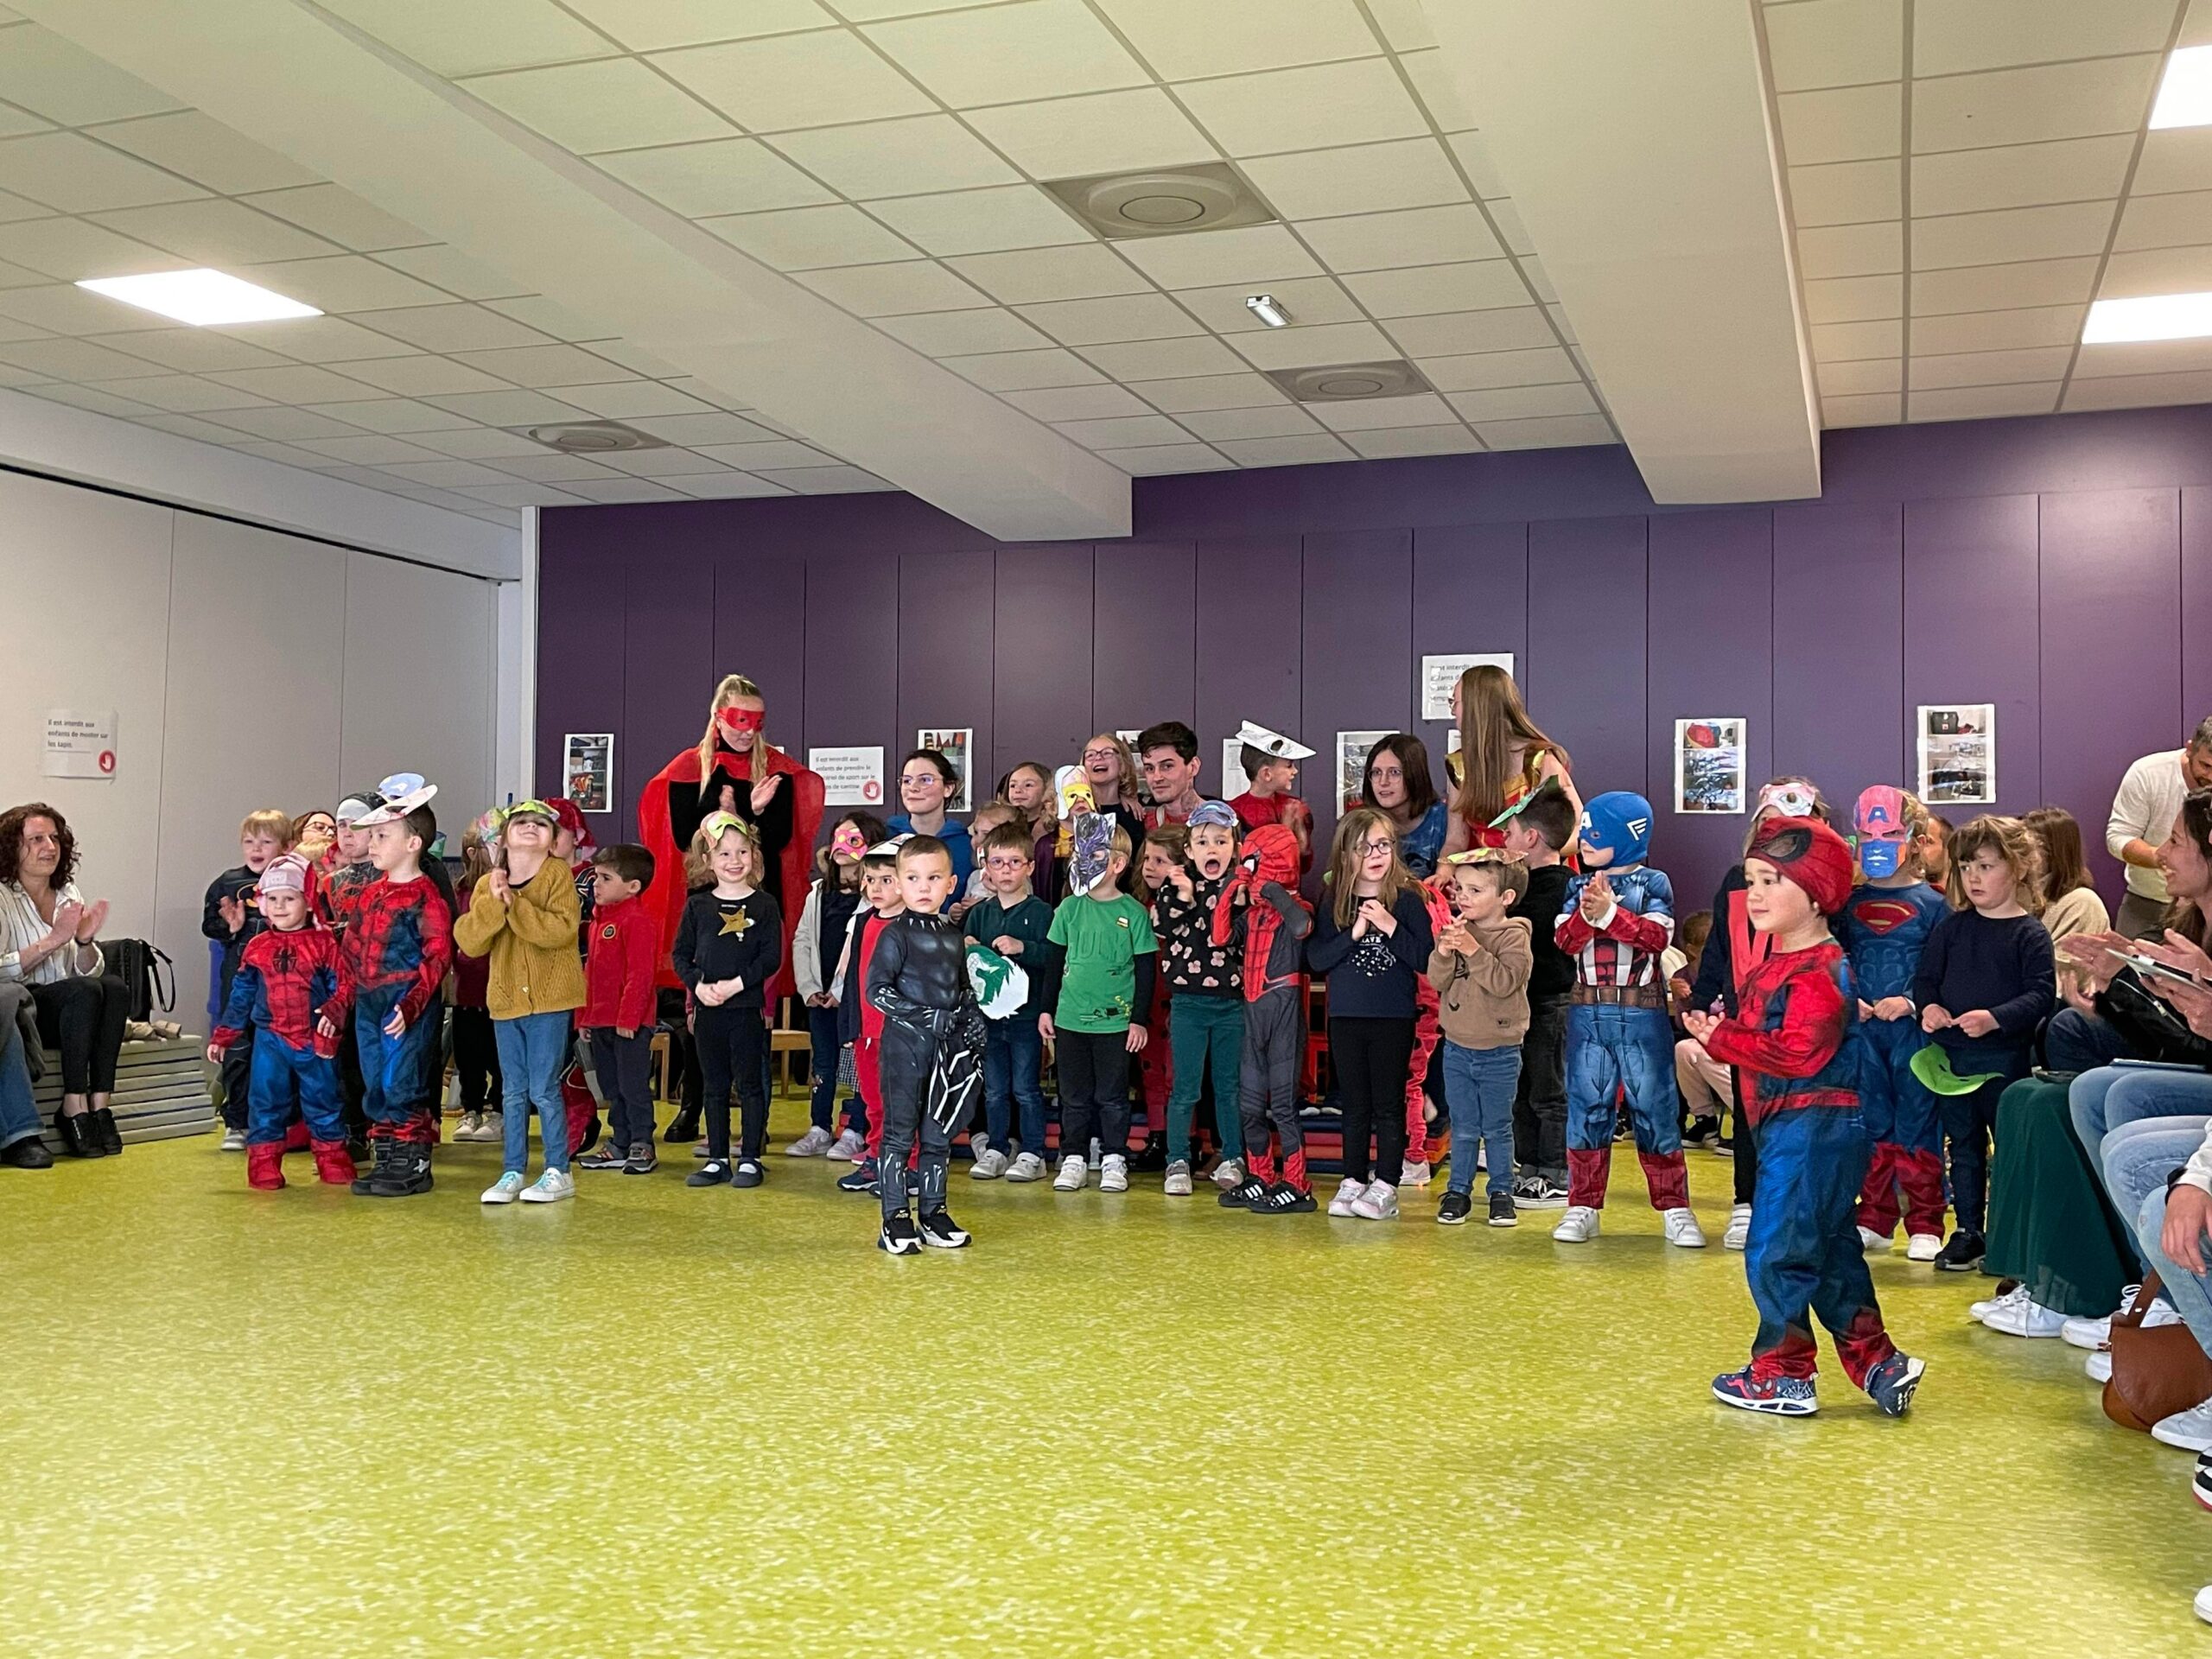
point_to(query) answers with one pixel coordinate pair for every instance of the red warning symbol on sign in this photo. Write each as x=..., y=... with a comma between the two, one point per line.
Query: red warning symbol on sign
x=107, y=762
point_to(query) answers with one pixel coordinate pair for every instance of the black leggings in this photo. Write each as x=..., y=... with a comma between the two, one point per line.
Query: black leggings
x=476, y=1058
x=733, y=1042
x=83, y=1019
x=1371, y=1058
x=1094, y=1073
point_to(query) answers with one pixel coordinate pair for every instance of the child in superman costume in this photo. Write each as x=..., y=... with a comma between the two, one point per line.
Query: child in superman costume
x=1797, y=1043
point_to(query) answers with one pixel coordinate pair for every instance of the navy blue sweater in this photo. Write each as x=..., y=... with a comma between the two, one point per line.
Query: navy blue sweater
x=1371, y=977
x=2004, y=966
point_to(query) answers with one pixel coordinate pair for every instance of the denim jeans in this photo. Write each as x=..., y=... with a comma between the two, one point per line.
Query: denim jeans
x=1478, y=1089
x=533, y=1050
x=2136, y=1158
x=18, y=1113
x=2112, y=1096
x=2189, y=1292
x=1014, y=1063
x=822, y=1030
x=2075, y=1041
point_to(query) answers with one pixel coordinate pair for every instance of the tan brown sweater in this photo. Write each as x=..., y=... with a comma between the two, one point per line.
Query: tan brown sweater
x=531, y=940
x=1482, y=996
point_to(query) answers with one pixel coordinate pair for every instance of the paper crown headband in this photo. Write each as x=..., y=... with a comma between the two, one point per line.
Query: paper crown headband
x=1251, y=736
x=403, y=792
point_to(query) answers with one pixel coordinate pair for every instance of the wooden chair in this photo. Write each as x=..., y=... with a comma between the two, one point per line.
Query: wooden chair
x=786, y=1041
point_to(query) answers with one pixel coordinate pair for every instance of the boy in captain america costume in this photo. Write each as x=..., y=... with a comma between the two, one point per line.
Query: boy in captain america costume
x=1883, y=927
x=1619, y=916
x=1795, y=1042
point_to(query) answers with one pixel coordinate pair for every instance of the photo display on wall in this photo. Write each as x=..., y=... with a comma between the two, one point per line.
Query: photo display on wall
x=1709, y=765
x=1957, y=745
x=588, y=769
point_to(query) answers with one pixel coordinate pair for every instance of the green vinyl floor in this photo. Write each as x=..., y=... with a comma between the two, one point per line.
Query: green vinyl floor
x=660, y=1421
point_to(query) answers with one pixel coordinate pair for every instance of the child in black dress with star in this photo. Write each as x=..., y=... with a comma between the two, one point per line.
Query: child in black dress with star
x=728, y=949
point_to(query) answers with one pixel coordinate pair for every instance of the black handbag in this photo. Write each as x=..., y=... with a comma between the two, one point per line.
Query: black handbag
x=146, y=972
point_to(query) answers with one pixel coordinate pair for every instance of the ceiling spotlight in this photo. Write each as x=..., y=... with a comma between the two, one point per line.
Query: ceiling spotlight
x=1263, y=306
x=203, y=298
x=2154, y=316
x=2185, y=93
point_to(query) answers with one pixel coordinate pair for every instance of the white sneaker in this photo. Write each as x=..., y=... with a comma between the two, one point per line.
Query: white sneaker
x=233, y=1140
x=1923, y=1247
x=2095, y=1334
x=1577, y=1226
x=1025, y=1166
x=1227, y=1174
x=2190, y=1430
x=1348, y=1193
x=480, y=1126
x=1415, y=1173
x=1740, y=1228
x=1114, y=1173
x=551, y=1188
x=847, y=1149
x=2098, y=1367
x=1073, y=1175
x=815, y=1143
x=1176, y=1184
x=495, y=1127
x=471, y=1124
x=1875, y=1243
x=990, y=1164
x=1980, y=1311
x=1379, y=1203
x=1683, y=1231
x=505, y=1189
x=2204, y=1604
x=2026, y=1318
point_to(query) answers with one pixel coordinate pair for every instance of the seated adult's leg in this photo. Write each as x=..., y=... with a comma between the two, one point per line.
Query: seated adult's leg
x=68, y=1022
x=2138, y=1158
x=2075, y=1041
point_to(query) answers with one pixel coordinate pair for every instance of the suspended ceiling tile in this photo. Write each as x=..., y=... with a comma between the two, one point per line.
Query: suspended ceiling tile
x=1452, y=332
x=724, y=175
x=906, y=158
x=479, y=36
x=955, y=333
x=1423, y=409
x=1023, y=371
x=1165, y=359
x=1991, y=331
x=1850, y=250
x=71, y=250
x=1305, y=301
x=194, y=351
x=70, y=173
x=1852, y=124
x=1846, y=192
x=1930, y=372
x=1824, y=43
x=340, y=216
x=1421, y=235
x=894, y=290
x=1422, y=290
x=789, y=81
x=1181, y=40
x=1840, y=342
x=1314, y=347
x=613, y=103
x=713, y=426
x=345, y=282
x=455, y=272
x=1101, y=321
x=291, y=425
x=1549, y=432
x=2021, y=176
x=1155, y=458
x=1285, y=452
x=1107, y=132
x=625, y=400
x=184, y=394
x=2157, y=270
x=2000, y=288
x=1882, y=409
x=1524, y=403
x=1358, y=102
x=1253, y=253
x=60, y=80
x=217, y=231
x=1392, y=442
x=1204, y=393
x=2174, y=158
x=1854, y=299
x=2141, y=390
x=2023, y=106
x=395, y=416
x=1031, y=275
x=1051, y=48
x=1122, y=432
x=2143, y=357
x=2011, y=234
x=2171, y=221
x=1478, y=372
x=1077, y=402
x=1325, y=183
x=1951, y=37
x=205, y=152
x=655, y=25
x=1278, y=420
x=1980, y=402
x=805, y=238
x=1861, y=378
x=1438, y=94
x=981, y=221
x=329, y=339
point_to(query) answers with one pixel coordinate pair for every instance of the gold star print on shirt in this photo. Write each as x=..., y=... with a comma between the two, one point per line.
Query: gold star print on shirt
x=735, y=923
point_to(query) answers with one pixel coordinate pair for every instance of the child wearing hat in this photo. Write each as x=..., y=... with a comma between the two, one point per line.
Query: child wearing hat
x=1795, y=1045
x=290, y=991
x=1270, y=763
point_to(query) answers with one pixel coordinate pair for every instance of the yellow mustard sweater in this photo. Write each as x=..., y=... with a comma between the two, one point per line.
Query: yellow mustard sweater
x=531, y=940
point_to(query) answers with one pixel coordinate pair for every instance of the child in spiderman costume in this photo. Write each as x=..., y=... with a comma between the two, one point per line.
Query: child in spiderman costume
x=291, y=988
x=1619, y=916
x=1883, y=927
x=1796, y=1042
x=1261, y=906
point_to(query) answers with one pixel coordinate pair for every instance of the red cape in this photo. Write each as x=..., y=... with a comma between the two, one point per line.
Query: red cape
x=664, y=899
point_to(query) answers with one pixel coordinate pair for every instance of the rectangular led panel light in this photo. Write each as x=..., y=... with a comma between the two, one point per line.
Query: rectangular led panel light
x=201, y=297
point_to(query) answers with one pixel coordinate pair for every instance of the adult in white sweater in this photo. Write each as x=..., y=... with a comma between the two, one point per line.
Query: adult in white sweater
x=2143, y=813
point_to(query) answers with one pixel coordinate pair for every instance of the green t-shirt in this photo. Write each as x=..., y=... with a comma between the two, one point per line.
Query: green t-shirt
x=1103, y=939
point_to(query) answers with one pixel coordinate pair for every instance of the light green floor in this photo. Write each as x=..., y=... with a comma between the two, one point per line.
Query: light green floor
x=660, y=1421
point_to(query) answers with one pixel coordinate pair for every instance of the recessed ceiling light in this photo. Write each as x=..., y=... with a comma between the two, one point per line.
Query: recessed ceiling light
x=1263, y=306
x=201, y=297
x=2185, y=94
x=2157, y=316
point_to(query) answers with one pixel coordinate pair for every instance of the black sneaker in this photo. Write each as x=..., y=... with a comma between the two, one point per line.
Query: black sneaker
x=1624, y=1125
x=609, y=1156
x=1283, y=1199
x=1892, y=1383
x=748, y=1173
x=1504, y=1212
x=643, y=1160
x=1702, y=1132
x=408, y=1174
x=1451, y=1209
x=899, y=1236
x=1535, y=1192
x=714, y=1173
x=940, y=1232
x=861, y=1178
x=2200, y=1485
x=1246, y=1194
x=378, y=1163
x=1963, y=1254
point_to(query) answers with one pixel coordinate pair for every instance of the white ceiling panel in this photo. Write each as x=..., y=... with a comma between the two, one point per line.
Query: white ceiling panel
x=68, y=84
x=1209, y=392
x=69, y=173
x=1481, y=371
x=1181, y=40
x=778, y=453
x=1438, y=94
x=456, y=273
x=1991, y=368
x=2175, y=158
x=897, y=158
x=1306, y=302
x=1392, y=442
x=544, y=366
x=193, y=350
x=796, y=80
x=422, y=377
x=2026, y=106
x=1109, y=132
x=981, y=221
x=2003, y=288
x=479, y=36
x=612, y=104
x=205, y=152
x=713, y=426
x=1255, y=254
x=827, y=480
x=1166, y=458
x=401, y=415
x=1281, y=420
x=1980, y=402
x=1522, y=403
x=1165, y=360
x=1840, y=342
x=1320, y=446
x=1846, y=192
x=806, y=238
x=951, y=334
x=1077, y=402
x=726, y=176
x=1850, y=250
x=2173, y=221
x=1549, y=432
x=653, y=25
x=298, y=383
x=1992, y=330
x=184, y=394
x=1854, y=299
x=71, y=250
x=2157, y=270
x=454, y=328
x=1327, y=183
x=344, y=283
x=1048, y=48
x=1358, y=102
x=2141, y=390
x=217, y=231
x=1030, y=276
x=2143, y=357
x=1422, y=290
x=1092, y=322
x=1423, y=236
x=1853, y=124
x=1950, y=37
x=1508, y=328
x=2021, y=176
x=1861, y=378
x=341, y=216
x=1327, y=343
x=1424, y=408
x=1024, y=371
x=894, y=290
x=1820, y=43
x=1124, y=432
x=2011, y=234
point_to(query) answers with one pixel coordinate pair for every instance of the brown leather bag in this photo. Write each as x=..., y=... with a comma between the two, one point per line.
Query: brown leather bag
x=2155, y=1373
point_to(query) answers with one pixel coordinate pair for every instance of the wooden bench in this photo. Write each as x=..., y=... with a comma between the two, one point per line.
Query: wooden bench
x=160, y=1091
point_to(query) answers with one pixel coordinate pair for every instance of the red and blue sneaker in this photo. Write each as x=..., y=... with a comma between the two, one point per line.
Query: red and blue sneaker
x=1891, y=1384
x=861, y=1178
x=1777, y=1396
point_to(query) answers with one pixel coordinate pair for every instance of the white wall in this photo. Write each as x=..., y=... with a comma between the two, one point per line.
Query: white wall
x=247, y=668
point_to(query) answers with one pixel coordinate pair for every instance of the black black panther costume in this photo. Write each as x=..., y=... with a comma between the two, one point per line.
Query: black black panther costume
x=931, y=1069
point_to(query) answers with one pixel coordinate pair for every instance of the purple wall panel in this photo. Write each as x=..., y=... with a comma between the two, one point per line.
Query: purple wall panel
x=1585, y=681
x=1040, y=681
x=1357, y=652
x=946, y=623
x=1708, y=634
x=1971, y=632
x=1839, y=715
x=1471, y=592
x=579, y=642
x=2195, y=606
x=2111, y=598
x=1248, y=653
x=1144, y=658
x=852, y=656
x=667, y=662
x=760, y=632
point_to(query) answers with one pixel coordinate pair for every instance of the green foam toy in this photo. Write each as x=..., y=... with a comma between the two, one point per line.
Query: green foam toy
x=1932, y=1066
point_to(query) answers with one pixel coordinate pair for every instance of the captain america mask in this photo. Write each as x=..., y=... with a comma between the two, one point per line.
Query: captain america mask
x=1883, y=835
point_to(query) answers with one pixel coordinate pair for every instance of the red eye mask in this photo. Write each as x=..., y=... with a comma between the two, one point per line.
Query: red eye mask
x=734, y=720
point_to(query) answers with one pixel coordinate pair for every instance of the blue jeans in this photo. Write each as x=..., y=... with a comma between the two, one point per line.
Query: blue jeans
x=822, y=1029
x=1479, y=1084
x=2075, y=1041
x=533, y=1051
x=1013, y=1062
x=2136, y=1158
x=2190, y=1294
x=18, y=1113
x=2110, y=1096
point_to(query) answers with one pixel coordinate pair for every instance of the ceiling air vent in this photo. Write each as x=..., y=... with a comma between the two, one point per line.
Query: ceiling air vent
x=1163, y=201
x=591, y=437
x=1346, y=383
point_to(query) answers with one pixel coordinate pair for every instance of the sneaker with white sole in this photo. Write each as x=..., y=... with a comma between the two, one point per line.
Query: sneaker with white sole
x=233, y=1140
x=1379, y=1203
x=1228, y=1173
x=2190, y=1430
x=1738, y=1235
x=2098, y=1369
x=1923, y=1247
x=940, y=1232
x=1682, y=1231
x=472, y=1125
x=847, y=1148
x=815, y=1143
x=1874, y=1243
x=1534, y=1193
x=1772, y=1396
x=2094, y=1334
x=606, y=1155
x=1981, y=1310
x=550, y=1187
x=1176, y=1184
x=1348, y=1194
x=1073, y=1173
x=2204, y=1604
x=505, y=1189
x=1891, y=1384
x=990, y=1164
x=2026, y=1318
x=1025, y=1166
x=2200, y=1484
x=1113, y=1172
x=1415, y=1173
x=1577, y=1226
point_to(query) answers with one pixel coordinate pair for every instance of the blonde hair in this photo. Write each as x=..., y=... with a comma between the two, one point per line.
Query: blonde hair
x=2012, y=841
x=1344, y=860
x=698, y=871
x=733, y=687
x=1493, y=723
x=1173, y=838
x=1132, y=786
x=267, y=821
x=756, y=860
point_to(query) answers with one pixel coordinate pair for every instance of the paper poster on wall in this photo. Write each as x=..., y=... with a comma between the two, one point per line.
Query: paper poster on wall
x=1352, y=764
x=589, y=768
x=850, y=777
x=80, y=743
x=1958, y=754
x=954, y=743
x=1709, y=765
x=1233, y=782
x=1439, y=674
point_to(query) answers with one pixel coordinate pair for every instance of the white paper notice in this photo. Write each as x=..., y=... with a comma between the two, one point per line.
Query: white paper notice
x=852, y=777
x=80, y=743
x=1439, y=674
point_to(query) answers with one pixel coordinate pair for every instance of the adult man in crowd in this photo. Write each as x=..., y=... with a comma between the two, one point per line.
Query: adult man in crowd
x=2143, y=811
x=1168, y=754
